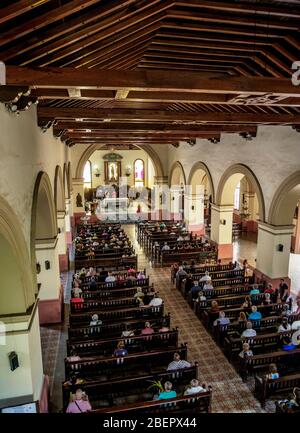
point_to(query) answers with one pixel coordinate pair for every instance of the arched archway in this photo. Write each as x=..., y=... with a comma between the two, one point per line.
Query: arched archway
x=17, y=292
x=59, y=194
x=285, y=201
x=228, y=182
x=177, y=174
x=200, y=175
x=158, y=168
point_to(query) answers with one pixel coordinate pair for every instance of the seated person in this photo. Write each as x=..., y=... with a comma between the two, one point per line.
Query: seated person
x=77, y=292
x=195, y=290
x=270, y=289
x=127, y=331
x=166, y=247
x=178, y=363
x=205, y=277
x=286, y=312
x=156, y=301
x=214, y=307
x=284, y=326
x=200, y=297
x=294, y=402
x=110, y=278
x=222, y=320
x=242, y=317
x=254, y=290
x=193, y=388
x=267, y=299
x=147, y=330
x=254, y=315
x=93, y=284
x=208, y=285
x=73, y=356
x=120, y=350
x=95, y=320
x=246, y=352
x=74, y=380
x=247, y=302
x=249, y=331
x=167, y=393
x=141, y=276
x=273, y=373
x=80, y=403
x=164, y=327
x=139, y=293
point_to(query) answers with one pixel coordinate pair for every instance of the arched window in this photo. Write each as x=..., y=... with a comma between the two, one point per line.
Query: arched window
x=87, y=175
x=139, y=172
x=237, y=196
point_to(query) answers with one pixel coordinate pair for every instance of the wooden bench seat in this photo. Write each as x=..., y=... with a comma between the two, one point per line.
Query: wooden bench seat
x=115, y=293
x=111, y=315
x=266, y=388
x=136, y=343
x=107, y=391
x=114, y=329
x=197, y=403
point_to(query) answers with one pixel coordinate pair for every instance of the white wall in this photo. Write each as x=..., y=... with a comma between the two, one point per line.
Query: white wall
x=273, y=155
x=25, y=151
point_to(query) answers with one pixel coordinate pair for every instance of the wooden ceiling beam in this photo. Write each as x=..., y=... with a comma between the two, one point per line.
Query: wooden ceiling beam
x=19, y=8
x=45, y=19
x=237, y=19
x=246, y=8
x=62, y=29
x=164, y=116
x=110, y=27
x=146, y=81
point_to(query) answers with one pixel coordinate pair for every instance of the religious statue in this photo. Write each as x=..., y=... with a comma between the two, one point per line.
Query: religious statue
x=78, y=200
x=113, y=171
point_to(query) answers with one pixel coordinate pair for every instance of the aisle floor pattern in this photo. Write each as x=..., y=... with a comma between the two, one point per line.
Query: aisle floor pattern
x=230, y=393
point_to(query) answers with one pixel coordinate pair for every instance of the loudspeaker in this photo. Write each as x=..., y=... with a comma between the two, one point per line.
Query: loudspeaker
x=13, y=360
x=280, y=247
x=47, y=265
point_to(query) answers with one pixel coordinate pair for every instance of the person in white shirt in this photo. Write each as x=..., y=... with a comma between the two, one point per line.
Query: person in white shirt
x=77, y=292
x=180, y=239
x=284, y=326
x=194, y=388
x=110, y=278
x=178, y=363
x=95, y=320
x=222, y=320
x=127, y=331
x=156, y=301
x=165, y=247
x=208, y=285
x=249, y=331
x=206, y=277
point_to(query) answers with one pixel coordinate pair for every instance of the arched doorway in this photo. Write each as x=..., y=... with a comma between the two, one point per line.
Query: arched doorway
x=202, y=194
x=239, y=205
x=44, y=250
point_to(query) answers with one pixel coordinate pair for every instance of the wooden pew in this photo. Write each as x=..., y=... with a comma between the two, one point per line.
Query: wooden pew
x=136, y=343
x=115, y=329
x=170, y=257
x=112, y=315
x=108, y=391
x=261, y=343
x=266, y=388
x=115, y=293
x=144, y=362
x=197, y=403
x=115, y=260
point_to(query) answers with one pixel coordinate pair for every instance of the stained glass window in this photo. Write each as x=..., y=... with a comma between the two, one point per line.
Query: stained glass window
x=139, y=173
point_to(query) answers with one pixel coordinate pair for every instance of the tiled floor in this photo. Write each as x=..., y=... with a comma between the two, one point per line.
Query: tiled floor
x=230, y=394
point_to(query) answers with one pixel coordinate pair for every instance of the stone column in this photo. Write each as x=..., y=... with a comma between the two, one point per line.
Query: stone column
x=176, y=194
x=273, y=252
x=61, y=242
x=68, y=220
x=161, y=197
x=51, y=291
x=78, y=199
x=251, y=223
x=194, y=214
x=297, y=236
x=221, y=229
x=27, y=383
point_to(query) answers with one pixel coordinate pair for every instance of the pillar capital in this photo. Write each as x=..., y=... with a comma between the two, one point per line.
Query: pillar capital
x=222, y=207
x=275, y=230
x=77, y=181
x=61, y=214
x=161, y=180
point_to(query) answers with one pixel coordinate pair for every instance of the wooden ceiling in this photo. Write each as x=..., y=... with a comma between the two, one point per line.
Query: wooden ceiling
x=140, y=72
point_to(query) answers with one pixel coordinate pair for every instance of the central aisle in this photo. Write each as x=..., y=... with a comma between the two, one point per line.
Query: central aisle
x=230, y=394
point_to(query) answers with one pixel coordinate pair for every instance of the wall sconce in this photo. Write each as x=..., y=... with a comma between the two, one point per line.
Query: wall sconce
x=38, y=268
x=193, y=207
x=280, y=247
x=47, y=265
x=128, y=171
x=223, y=222
x=13, y=360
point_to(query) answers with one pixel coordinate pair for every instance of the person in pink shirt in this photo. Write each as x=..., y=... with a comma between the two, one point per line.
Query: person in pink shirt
x=80, y=403
x=147, y=330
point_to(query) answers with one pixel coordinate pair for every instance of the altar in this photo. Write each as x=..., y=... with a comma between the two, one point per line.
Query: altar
x=111, y=204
